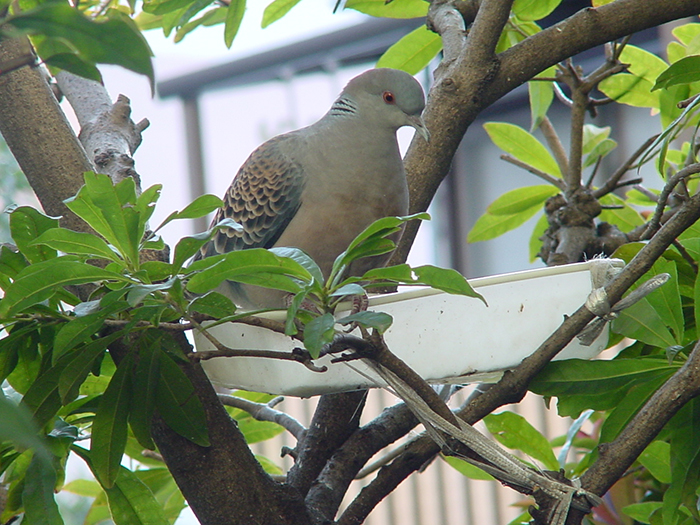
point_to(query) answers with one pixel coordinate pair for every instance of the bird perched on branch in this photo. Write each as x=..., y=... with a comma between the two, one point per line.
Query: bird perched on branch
x=318, y=187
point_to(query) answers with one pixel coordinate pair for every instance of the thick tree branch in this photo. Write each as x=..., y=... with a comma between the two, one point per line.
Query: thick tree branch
x=39, y=135
x=332, y=483
x=336, y=418
x=266, y=412
x=106, y=130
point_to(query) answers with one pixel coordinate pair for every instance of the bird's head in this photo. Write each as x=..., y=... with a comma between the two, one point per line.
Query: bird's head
x=390, y=96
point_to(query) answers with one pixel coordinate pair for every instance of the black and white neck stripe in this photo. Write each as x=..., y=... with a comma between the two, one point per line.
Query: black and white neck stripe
x=343, y=107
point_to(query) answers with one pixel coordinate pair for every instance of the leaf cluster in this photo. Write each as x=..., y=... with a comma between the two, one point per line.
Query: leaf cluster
x=54, y=353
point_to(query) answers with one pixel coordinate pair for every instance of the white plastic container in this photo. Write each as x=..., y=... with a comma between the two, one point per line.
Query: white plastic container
x=444, y=338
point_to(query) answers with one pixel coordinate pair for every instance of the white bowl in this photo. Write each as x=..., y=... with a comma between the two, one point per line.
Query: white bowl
x=444, y=338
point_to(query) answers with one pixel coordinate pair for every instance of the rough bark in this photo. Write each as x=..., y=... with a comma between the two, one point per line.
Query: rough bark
x=39, y=135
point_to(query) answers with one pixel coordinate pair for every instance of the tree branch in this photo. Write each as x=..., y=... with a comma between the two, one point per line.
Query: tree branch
x=266, y=412
x=336, y=418
x=558, y=183
x=612, y=183
x=106, y=130
x=39, y=135
x=555, y=145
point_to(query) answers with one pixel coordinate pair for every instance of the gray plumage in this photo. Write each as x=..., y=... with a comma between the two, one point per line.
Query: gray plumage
x=318, y=187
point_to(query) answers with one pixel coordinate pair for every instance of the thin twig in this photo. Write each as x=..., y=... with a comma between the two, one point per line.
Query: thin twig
x=298, y=354
x=687, y=256
x=266, y=412
x=541, y=174
x=611, y=183
x=655, y=221
x=555, y=145
x=646, y=192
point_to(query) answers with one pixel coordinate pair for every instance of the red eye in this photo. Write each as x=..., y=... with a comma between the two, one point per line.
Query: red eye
x=388, y=97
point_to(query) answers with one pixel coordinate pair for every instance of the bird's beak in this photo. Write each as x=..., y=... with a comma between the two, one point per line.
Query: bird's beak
x=417, y=122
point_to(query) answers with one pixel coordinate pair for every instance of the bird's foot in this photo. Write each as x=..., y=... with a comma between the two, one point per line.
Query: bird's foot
x=360, y=303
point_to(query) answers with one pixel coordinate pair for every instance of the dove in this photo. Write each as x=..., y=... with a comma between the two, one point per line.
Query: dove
x=318, y=187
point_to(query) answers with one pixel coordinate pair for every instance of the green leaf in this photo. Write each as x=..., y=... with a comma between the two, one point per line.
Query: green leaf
x=114, y=40
x=109, y=210
x=346, y=290
x=42, y=397
x=628, y=406
x=302, y=259
x=40, y=281
x=163, y=486
x=138, y=292
x=535, y=244
x=16, y=425
x=467, y=469
x=11, y=263
x=234, y=17
x=146, y=379
x=38, y=493
x=625, y=218
x=629, y=89
x=514, y=432
x=685, y=71
x=253, y=266
x=81, y=329
x=394, y=9
x=534, y=9
x=371, y=241
x=445, y=279
x=378, y=320
x=26, y=224
x=164, y=6
x=685, y=459
x=401, y=273
x=276, y=10
x=521, y=200
x=131, y=502
x=541, y=94
x=79, y=364
x=593, y=136
x=178, y=403
x=687, y=34
x=74, y=64
x=656, y=458
x=523, y=146
x=212, y=17
x=642, y=63
x=598, y=384
x=83, y=487
x=77, y=243
x=199, y=207
x=317, y=333
x=256, y=431
x=491, y=225
x=641, y=512
x=666, y=300
x=413, y=52
x=214, y=304
x=109, y=428
x=268, y=466
x=641, y=322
